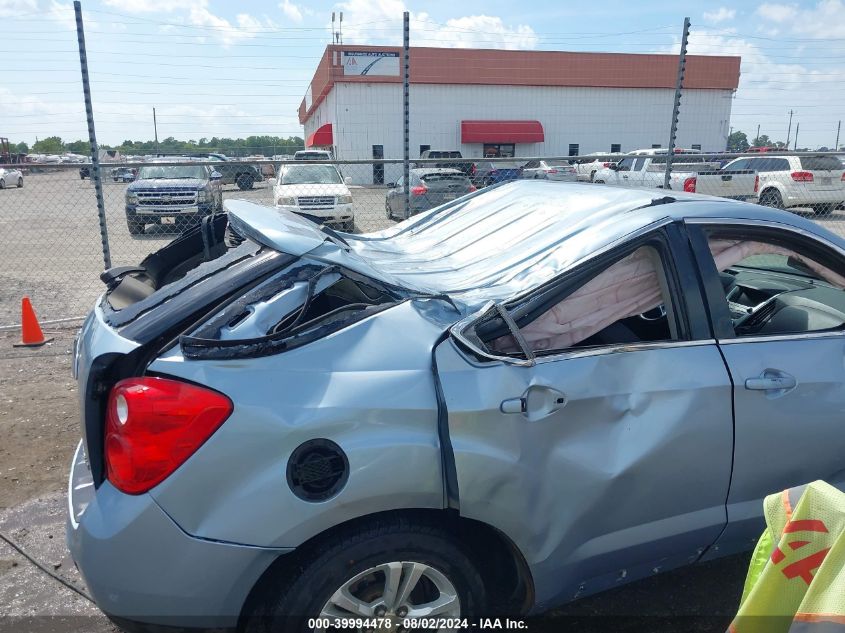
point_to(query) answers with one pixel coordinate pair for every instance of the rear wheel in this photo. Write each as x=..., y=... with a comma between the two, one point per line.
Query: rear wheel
x=599, y=182
x=592, y=175
x=389, y=568
x=771, y=198
x=20, y=182
x=2, y=184
x=387, y=211
x=244, y=181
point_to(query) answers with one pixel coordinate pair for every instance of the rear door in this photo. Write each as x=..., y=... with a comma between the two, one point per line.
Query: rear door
x=606, y=459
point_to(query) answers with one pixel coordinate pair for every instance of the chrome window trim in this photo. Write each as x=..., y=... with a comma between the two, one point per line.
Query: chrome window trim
x=783, y=337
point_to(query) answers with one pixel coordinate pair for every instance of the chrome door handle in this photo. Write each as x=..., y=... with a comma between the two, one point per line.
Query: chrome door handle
x=773, y=381
x=536, y=403
x=512, y=405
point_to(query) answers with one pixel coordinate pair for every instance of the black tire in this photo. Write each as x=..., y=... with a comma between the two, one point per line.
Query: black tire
x=20, y=182
x=599, y=182
x=388, y=212
x=136, y=227
x=593, y=176
x=823, y=209
x=244, y=181
x=771, y=198
x=2, y=184
x=297, y=591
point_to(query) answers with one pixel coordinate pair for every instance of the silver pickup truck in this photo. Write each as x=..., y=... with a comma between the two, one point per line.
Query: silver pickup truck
x=645, y=168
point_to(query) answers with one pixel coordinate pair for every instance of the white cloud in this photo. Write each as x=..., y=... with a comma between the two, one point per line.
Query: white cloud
x=777, y=12
x=12, y=8
x=292, y=12
x=825, y=20
x=196, y=13
x=380, y=22
x=723, y=14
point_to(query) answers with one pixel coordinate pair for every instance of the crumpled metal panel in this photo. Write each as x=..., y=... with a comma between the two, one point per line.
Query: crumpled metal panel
x=627, y=478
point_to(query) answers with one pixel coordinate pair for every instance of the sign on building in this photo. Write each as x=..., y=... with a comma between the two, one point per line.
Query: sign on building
x=371, y=63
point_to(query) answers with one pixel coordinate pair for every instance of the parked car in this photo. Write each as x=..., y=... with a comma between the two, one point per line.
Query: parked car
x=123, y=174
x=540, y=169
x=236, y=172
x=817, y=182
x=318, y=192
x=172, y=195
x=490, y=173
x=690, y=173
x=312, y=154
x=10, y=177
x=504, y=403
x=452, y=159
x=429, y=187
x=586, y=166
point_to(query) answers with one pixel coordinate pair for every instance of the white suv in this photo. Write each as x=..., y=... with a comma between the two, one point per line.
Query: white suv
x=817, y=182
x=317, y=192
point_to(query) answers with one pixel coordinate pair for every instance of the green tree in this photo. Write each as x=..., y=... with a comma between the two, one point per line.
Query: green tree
x=738, y=142
x=49, y=145
x=21, y=148
x=762, y=141
x=78, y=147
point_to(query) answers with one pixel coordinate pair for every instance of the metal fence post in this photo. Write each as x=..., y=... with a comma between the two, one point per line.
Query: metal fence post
x=679, y=86
x=92, y=136
x=406, y=117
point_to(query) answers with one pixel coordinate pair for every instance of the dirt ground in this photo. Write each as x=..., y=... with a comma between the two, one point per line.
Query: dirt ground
x=39, y=427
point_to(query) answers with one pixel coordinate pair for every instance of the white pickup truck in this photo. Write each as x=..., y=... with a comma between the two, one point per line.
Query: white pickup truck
x=690, y=172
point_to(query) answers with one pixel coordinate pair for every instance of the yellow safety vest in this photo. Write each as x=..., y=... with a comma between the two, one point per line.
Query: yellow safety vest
x=796, y=579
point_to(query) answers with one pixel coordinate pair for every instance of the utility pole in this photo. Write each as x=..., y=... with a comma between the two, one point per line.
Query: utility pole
x=757, y=138
x=155, y=129
x=92, y=136
x=838, y=127
x=789, y=130
x=406, y=108
x=679, y=86
x=795, y=147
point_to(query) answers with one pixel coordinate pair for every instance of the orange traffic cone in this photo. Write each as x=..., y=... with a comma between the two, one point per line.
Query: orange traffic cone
x=31, y=334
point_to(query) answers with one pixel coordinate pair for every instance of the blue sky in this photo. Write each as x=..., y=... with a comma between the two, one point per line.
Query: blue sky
x=221, y=68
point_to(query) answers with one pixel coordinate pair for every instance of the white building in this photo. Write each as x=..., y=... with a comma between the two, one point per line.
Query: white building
x=511, y=103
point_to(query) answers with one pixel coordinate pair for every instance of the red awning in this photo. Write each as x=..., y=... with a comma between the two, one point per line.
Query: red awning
x=323, y=136
x=501, y=132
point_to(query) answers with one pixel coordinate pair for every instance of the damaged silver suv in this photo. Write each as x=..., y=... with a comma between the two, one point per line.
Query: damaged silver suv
x=530, y=394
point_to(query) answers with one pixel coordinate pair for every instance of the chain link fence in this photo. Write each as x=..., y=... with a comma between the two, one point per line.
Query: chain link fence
x=54, y=252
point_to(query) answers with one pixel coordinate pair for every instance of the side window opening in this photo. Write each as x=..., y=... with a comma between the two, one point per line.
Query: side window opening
x=778, y=286
x=627, y=302
x=304, y=303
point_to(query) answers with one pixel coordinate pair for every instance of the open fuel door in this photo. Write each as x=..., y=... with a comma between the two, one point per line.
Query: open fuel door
x=602, y=461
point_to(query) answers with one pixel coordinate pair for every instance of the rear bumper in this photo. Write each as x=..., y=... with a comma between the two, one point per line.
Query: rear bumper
x=809, y=196
x=141, y=567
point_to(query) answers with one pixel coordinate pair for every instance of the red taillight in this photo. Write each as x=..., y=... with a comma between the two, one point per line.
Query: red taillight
x=551, y=171
x=802, y=176
x=153, y=425
x=472, y=188
x=689, y=185
x=756, y=183
x=606, y=165
x=843, y=177
x=472, y=170
x=418, y=190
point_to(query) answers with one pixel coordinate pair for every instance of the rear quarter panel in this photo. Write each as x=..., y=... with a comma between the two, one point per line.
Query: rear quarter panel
x=369, y=388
